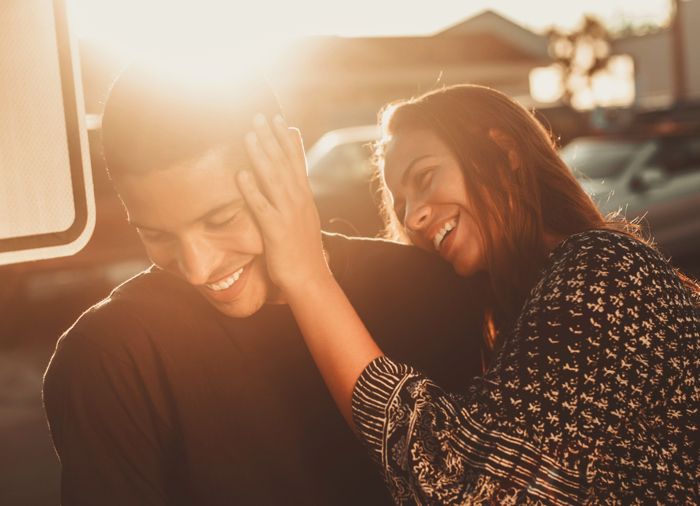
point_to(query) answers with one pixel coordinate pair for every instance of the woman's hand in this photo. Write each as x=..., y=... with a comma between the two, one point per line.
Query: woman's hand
x=284, y=209
x=336, y=337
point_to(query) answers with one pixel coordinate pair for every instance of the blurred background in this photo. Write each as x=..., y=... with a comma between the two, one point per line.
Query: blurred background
x=616, y=81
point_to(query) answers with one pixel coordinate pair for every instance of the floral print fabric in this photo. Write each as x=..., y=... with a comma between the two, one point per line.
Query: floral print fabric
x=593, y=399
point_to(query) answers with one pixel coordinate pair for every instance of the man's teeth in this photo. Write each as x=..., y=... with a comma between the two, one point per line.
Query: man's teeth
x=437, y=240
x=223, y=285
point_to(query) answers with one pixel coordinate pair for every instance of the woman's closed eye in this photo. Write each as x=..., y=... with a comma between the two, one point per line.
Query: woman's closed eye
x=423, y=177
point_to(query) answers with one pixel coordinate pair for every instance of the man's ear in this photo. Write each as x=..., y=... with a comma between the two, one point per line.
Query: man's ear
x=506, y=143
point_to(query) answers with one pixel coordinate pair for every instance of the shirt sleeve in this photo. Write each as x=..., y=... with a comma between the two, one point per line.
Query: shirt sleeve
x=430, y=451
x=112, y=444
x=600, y=353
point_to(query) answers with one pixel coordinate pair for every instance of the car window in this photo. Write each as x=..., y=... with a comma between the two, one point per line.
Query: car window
x=599, y=158
x=678, y=154
x=345, y=162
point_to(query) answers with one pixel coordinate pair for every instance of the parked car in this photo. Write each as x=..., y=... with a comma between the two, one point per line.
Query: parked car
x=342, y=179
x=654, y=177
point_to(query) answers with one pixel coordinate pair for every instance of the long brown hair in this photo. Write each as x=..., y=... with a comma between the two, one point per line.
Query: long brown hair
x=541, y=196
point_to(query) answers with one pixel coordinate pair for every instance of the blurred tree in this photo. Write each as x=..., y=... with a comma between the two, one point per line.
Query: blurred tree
x=580, y=55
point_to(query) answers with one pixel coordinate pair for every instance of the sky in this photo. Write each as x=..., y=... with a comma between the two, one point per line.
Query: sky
x=167, y=27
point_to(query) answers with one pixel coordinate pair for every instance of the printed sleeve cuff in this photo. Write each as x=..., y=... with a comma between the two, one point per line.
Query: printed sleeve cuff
x=377, y=386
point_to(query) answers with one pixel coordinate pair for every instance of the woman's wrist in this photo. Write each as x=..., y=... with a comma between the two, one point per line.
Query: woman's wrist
x=318, y=281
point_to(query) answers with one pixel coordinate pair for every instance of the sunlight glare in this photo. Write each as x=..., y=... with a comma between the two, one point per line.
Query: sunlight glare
x=217, y=28
x=546, y=84
x=614, y=87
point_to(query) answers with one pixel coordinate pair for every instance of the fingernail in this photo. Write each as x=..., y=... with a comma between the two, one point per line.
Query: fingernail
x=259, y=120
x=278, y=119
x=243, y=175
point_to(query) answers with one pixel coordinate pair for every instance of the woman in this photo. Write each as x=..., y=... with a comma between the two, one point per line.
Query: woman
x=593, y=395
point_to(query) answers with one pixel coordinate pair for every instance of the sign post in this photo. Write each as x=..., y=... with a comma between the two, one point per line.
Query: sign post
x=47, y=206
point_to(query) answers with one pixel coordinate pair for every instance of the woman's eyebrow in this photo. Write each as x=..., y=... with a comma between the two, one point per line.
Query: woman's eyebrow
x=407, y=172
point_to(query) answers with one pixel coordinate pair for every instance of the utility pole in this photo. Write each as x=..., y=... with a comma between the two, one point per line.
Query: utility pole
x=680, y=79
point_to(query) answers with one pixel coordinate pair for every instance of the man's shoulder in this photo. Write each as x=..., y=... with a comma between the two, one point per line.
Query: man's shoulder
x=368, y=244
x=373, y=254
x=406, y=297
x=147, y=291
x=377, y=271
x=133, y=308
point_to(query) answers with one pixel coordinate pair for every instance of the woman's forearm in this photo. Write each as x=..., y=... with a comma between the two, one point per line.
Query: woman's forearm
x=338, y=340
x=291, y=230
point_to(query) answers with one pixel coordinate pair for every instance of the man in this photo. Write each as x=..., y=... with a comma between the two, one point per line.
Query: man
x=191, y=383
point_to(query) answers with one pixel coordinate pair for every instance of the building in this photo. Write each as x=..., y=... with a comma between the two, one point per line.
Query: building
x=653, y=55
x=326, y=83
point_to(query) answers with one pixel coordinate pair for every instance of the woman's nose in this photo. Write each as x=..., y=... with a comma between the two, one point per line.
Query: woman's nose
x=417, y=217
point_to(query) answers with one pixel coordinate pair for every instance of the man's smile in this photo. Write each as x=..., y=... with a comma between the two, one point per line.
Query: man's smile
x=226, y=282
x=230, y=286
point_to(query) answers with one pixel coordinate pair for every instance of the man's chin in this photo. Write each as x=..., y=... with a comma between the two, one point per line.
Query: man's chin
x=255, y=290
x=238, y=308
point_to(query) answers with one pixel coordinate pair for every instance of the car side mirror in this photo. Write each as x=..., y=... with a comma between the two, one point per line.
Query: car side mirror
x=649, y=178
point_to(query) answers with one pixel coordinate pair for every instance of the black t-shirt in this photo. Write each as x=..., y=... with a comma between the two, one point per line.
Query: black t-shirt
x=155, y=397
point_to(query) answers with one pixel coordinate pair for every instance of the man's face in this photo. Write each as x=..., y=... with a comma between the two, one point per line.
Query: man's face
x=195, y=224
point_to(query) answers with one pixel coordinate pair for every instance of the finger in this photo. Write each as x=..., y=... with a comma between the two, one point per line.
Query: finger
x=269, y=177
x=292, y=145
x=269, y=142
x=264, y=212
x=302, y=169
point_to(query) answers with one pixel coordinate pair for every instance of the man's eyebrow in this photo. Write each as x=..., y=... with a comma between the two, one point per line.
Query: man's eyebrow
x=208, y=214
x=407, y=172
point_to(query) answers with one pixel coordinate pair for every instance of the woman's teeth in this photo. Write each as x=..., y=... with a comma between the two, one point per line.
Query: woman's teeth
x=437, y=240
x=223, y=285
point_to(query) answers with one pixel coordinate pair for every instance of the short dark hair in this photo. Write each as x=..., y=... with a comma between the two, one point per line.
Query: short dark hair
x=156, y=117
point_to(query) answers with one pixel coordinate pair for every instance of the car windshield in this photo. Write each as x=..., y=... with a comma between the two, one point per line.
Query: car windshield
x=344, y=162
x=599, y=158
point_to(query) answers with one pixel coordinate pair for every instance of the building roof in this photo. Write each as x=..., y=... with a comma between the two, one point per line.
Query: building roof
x=490, y=22
x=486, y=38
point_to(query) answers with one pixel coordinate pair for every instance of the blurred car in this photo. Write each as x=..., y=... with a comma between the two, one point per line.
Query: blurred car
x=342, y=179
x=655, y=177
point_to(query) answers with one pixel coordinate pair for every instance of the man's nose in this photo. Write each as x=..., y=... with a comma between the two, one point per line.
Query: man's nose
x=197, y=260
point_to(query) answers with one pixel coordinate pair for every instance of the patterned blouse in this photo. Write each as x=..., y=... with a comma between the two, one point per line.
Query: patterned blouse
x=593, y=399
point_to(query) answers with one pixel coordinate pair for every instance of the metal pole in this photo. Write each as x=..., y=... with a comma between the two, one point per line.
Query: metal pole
x=678, y=57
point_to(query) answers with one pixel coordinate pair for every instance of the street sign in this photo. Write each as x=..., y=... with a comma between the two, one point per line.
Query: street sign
x=47, y=207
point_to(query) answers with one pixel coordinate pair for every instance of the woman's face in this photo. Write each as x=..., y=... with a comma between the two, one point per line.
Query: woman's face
x=430, y=199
